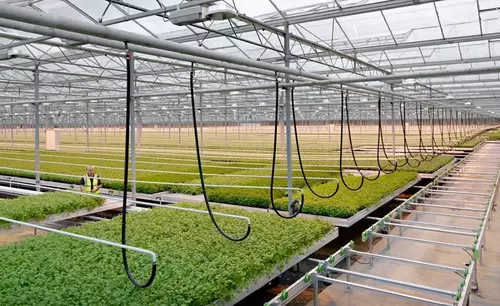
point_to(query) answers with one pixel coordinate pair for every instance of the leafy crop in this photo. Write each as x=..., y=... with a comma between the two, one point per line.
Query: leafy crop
x=196, y=266
x=493, y=135
x=471, y=143
x=428, y=166
x=346, y=203
x=39, y=207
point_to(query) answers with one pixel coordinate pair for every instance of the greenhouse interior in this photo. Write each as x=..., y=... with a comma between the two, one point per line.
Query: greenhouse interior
x=266, y=152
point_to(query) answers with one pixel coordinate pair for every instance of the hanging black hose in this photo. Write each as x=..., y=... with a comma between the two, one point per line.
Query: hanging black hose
x=380, y=142
x=200, y=167
x=342, y=145
x=402, y=113
x=421, y=146
x=434, y=145
x=334, y=192
x=455, y=126
x=273, y=166
x=449, y=129
x=125, y=183
x=447, y=123
x=442, y=122
x=348, y=121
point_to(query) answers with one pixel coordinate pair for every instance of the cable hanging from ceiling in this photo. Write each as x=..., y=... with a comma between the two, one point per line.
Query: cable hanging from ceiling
x=200, y=167
x=336, y=189
x=296, y=205
x=125, y=182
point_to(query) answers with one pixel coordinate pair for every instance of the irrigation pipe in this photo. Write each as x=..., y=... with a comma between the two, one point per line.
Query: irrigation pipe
x=138, y=202
x=200, y=168
x=91, y=239
x=163, y=183
x=173, y=172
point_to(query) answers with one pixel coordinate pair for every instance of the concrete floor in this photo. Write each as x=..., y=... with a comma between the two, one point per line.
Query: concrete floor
x=488, y=273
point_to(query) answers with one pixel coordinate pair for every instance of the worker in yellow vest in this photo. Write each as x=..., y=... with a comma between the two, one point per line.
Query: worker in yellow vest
x=90, y=182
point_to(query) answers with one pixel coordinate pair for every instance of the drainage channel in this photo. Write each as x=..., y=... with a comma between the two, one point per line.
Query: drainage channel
x=424, y=251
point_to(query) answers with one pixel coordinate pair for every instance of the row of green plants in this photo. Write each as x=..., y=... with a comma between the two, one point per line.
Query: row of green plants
x=196, y=265
x=493, y=135
x=347, y=203
x=344, y=204
x=39, y=207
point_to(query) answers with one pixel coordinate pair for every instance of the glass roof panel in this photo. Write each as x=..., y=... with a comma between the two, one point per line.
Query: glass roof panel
x=459, y=17
x=474, y=49
x=495, y=48
x=488, y=4
x=423, y=20
x=363, y=27
x=491, y=21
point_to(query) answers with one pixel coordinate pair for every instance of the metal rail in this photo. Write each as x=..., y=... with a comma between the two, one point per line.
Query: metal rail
x=395, y=221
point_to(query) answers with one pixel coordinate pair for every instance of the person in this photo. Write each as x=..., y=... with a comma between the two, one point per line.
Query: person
x=90, y=182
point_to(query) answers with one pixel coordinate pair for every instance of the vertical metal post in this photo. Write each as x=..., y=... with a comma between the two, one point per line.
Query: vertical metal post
x=238, y=123
x=315, y=289
x=348, y=267
x=200, y=103
x=282, y=126
x=393, y=117
x=180, y=125
x=74, y=121
x=138, y=124
x=37, y=128
x=105, y=126
x=225, y=105
x=87, y=124
x=12, y=127
x=370, y=241
x=132, y=125
x=288, y=122
x=25, y=126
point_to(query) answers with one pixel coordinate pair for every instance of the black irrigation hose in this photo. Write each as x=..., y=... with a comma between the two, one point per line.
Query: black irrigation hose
x=351, y=145
x=443, y=122
x=200, y=167
x=381, y=141
x=402, y=113
x=421, y=146
x=342, y=144
x=273, y=166
x=434, y=143
x=125, y=185
x=334, y=192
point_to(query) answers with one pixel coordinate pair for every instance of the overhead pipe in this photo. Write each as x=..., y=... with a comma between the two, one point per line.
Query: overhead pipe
x=97, y=34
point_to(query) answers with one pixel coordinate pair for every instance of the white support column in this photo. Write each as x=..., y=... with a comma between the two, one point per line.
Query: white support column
x=289, y=166
x=37, y=128
x=132, y=126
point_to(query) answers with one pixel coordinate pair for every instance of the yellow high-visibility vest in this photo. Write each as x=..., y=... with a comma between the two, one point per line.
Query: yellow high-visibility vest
x=90, y=181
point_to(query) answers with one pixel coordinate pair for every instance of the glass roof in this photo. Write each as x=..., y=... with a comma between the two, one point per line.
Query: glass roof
x=341, y=39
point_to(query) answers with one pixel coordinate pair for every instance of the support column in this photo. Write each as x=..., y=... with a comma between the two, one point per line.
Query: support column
x=200, y=103
x=37, y=128
x=132, y=126
x=105, y=125
x=180, y=125
x=138, y=125
x=74, y=121
x=12, y=127
x=289, y=165
x=87, y=125
x=225, y=105
x=393, y=122
x=281, y=113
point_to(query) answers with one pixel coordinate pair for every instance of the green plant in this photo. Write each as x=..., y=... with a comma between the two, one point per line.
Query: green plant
x=493, y=135
x=39, y=207
x=196, y=265
x=346, y=203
